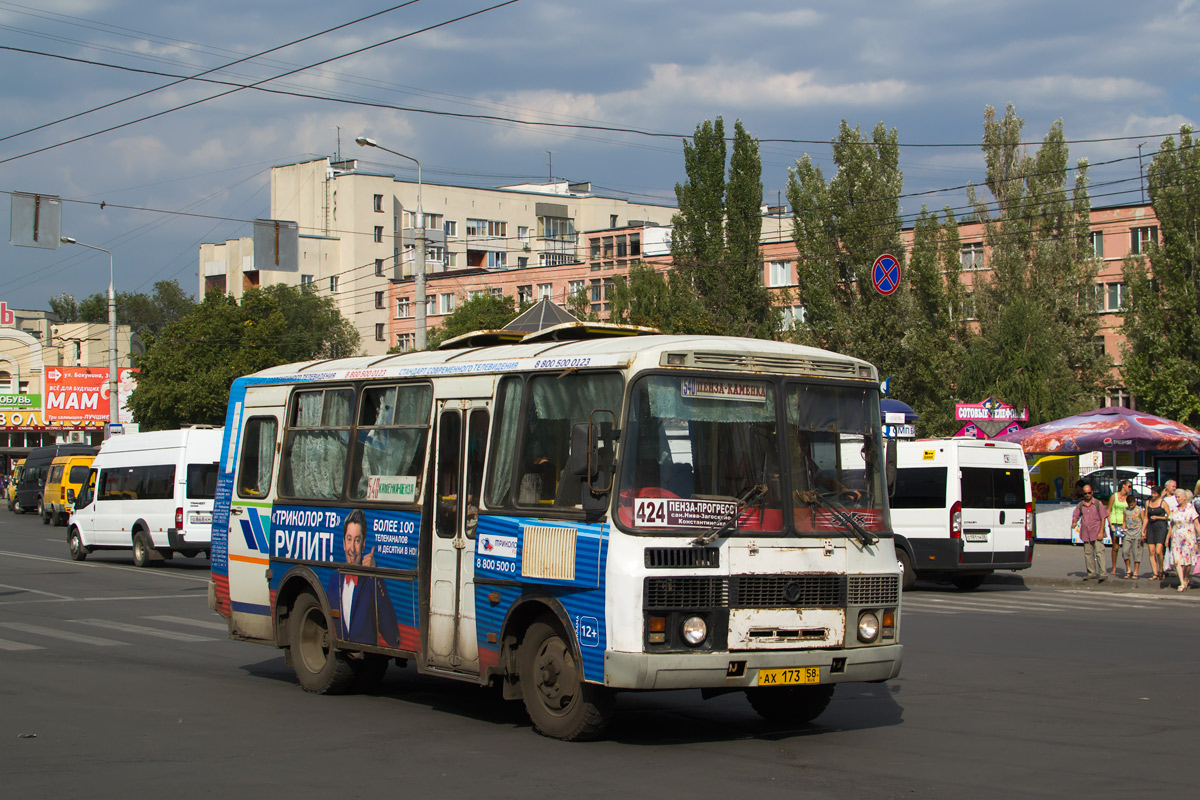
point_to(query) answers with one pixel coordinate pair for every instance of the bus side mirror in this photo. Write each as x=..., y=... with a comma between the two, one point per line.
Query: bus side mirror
x=889, y=468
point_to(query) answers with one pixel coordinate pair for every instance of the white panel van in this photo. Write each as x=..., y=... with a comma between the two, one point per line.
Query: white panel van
x=151, y=493
x=961, y=509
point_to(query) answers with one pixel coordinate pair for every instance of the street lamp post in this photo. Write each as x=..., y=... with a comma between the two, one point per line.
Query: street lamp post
x=113, y=402
x=419, y=269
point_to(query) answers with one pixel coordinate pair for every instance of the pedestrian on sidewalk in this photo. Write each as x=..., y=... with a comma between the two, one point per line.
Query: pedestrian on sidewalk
x=1116, y=521
x=1090, y=514
x=1185, y=529
x=1156, y=531
x=1135, y=536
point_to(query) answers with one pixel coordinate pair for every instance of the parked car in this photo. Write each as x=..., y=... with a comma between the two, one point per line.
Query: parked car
x=67, y=476
x=1102, y=481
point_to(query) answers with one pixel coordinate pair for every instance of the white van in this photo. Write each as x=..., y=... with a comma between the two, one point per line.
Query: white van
x=961, y=509
x=149, y=492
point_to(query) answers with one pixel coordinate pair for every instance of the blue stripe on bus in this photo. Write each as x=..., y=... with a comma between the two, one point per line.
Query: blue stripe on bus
x=251, y=608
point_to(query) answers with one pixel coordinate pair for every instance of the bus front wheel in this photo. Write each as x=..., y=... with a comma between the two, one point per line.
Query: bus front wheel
x=558, y=702
x=790, y=704
x=320, y=667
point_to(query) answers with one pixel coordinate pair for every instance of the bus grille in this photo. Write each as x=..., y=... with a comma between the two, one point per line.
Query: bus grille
x=789, y=591
x=679, y=557
x=873, y=590
x=785, y=364
x=548, y=553
x=687, y=592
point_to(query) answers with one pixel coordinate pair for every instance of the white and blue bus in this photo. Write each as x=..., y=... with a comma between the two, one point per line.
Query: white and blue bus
x=566, y=514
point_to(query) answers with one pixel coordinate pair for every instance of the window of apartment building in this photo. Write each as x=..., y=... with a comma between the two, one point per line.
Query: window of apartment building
x=496, y=292
x=595, y=249
x=607, y=246
x=378, y=233
x=1098, y=244
x=497, y=259
x=431, y=305
x=406, y=341
x=333, y=284
x=635, y=245
x=435, y=254
x=622, y=247
x=972, y=256
x=446, y=303
x=379, y=267
x=525, y=293
x=450, y=227
x=403, y=308
x=555, y=259
x=1118, y=397
x=523, y=233
x=380, y=333
x=556, y=228
x=966, y=310
x=1116, y=296
x=612, y=220
x=779, y=273
x=1095, y=298
x=305, y=280
x=486, y=227
x=433, y=222
x=1140, y=238
x=379, y=299
x=474, y=293
x=450, y=259
x=379, y=203
x=574, y=288
x=793, y=317
x=608, y=290
x=522, y=262
x=596, y=288
x=545, y=291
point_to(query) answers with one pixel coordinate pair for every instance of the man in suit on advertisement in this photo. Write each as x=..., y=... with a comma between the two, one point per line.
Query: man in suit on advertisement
x=361, y=603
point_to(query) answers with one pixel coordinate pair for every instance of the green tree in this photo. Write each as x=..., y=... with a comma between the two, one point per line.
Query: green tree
x=480, y=313
x=840, y=227
x=1036, y=339
x=1162, y=318
x=935, y=340
x=189, y=366
x=715, y=237
x=144, y=314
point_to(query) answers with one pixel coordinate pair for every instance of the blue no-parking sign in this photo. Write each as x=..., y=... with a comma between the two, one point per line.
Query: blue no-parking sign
x=885, y=274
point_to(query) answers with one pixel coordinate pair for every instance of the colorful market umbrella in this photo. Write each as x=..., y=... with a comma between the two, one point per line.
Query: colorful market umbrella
x=1112, y=429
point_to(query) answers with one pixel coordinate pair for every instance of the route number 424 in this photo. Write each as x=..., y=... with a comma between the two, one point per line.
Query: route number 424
x=651, y=512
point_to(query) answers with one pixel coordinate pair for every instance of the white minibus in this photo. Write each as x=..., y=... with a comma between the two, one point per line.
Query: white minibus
x=151, y=493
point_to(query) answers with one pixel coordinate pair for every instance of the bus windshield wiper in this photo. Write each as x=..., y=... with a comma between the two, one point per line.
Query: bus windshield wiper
x=743, y=502
x=864, y=536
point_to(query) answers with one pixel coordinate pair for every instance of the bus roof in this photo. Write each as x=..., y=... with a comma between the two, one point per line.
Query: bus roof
x=712, y=353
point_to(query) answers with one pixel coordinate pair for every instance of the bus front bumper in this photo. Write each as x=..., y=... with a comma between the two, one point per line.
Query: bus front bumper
x=740, y=669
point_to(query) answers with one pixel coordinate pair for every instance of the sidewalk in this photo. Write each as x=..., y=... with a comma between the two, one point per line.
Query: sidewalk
x=1061, y=566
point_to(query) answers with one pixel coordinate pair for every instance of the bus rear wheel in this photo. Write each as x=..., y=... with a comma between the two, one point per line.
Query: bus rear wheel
x=75, y=545
x=141, y=550
x=320, y=667
x=558, y=702
x=790, y=704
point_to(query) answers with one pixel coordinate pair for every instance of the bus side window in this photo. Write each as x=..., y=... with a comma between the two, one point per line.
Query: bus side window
x=504, y=442
x=258, y=457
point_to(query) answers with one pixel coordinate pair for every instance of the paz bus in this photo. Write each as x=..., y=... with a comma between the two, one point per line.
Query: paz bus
x=567, y=514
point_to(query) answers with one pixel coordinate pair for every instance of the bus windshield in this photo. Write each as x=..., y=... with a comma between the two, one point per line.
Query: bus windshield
x=697, y=451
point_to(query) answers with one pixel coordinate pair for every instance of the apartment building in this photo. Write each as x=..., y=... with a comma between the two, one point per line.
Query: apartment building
x=358, y=240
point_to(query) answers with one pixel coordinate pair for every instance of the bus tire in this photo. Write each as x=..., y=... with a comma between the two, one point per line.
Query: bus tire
x=910, y=574
x=141, y=549
x=790, y=704
x=559, y=703
x=319, y=666
x=75, y=545
x=967, y=583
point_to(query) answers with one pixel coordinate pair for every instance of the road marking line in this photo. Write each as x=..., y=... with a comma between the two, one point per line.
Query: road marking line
x=102, y=599
x=36, y=591
x=199, y=623
x=981, y=610
x=100, y=565
x=141, y=629
x=5, y=644
x=54, y=634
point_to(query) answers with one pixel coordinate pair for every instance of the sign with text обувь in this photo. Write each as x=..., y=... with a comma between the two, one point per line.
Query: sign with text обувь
x=990, y=410
x=20, y=402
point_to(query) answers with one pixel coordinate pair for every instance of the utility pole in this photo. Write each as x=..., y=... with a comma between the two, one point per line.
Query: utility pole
x=1141, y=173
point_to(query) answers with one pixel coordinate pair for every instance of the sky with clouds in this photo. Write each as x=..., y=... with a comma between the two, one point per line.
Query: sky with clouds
x=460, y=84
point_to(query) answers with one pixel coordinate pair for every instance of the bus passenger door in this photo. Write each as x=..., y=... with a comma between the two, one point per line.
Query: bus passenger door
x=461, y=439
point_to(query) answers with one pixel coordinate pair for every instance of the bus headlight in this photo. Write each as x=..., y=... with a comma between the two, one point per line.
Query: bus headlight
x=868, y=627
x=695, y=630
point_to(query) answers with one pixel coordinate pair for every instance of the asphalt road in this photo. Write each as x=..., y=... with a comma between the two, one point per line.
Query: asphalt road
x=132, y=689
